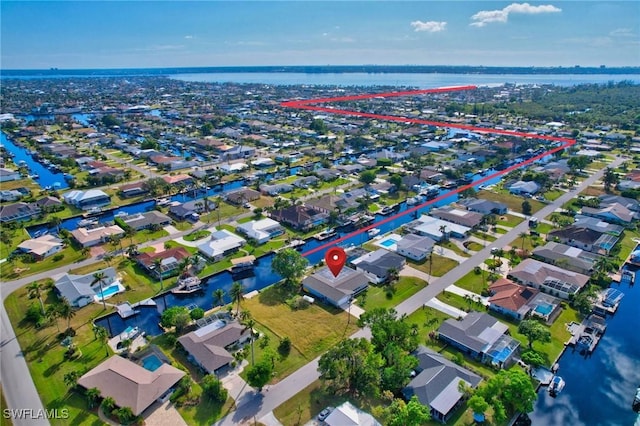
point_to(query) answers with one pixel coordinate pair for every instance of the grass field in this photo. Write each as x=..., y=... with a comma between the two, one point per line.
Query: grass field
x=402, y=290
x=509, y=220
x=439, y=265
x=18, y=268
x=472, y=281
x=513, y=202
x=3, y=406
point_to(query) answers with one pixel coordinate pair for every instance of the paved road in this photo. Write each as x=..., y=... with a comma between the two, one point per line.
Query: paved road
x=263, y=403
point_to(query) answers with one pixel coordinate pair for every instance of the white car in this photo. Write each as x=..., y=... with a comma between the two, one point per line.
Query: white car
x=325, y=413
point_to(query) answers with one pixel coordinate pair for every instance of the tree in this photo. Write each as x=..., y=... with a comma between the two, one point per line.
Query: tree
x=534, y=330
x=55, y=221
x=368, y=177
x=532, y=358
x=175, y=316
x=583, y=301
x=107, y=257
x=52, y=313
x=443, y=231
x=526, y=208
x=99, y=278
x=400, y=413
x=396, y=180
x=213, y=388
x=387, y=328
x=523, y=236
x=218, y=296
x=289, y=264
x=66, y=311
x=509, y=389
x=478, y=405
x=93, y=395
x=196, y=313
x=236, y=294
x=259, y=374
x=609, y=179
x=352, y=367
x=108, y=404
x=102, y=334
x=392, y=275
x=124, y=414
x=34, y=291
x=71, y=378
x=157, y=268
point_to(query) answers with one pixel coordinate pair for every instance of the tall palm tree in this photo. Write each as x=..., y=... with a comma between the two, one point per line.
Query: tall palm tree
x=236, y=294
x=93, y=395
x=130, y=232
x=524, y=236
x=103, y=335
x=218, y=296
x=66, y=311
x=56, y=221
x=249, y=323
x=157, y=267
x=99, y=278
x=132, y=250
x=52, y=313
x=108, y=257
x=443, y=230
x=34, y=290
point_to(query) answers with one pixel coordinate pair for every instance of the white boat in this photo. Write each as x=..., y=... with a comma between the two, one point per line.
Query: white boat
x=121, y=214
x=556, y=385
x=411, y=201
x=87, y=222
x=373, y=232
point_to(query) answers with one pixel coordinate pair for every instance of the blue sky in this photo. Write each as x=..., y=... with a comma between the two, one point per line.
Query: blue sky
x=126, y=34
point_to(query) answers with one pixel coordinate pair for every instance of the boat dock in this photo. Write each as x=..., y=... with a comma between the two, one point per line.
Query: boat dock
x=586, y=335
x=125, y=310
x=607, y=301
x=241, y=264
x=187, y=285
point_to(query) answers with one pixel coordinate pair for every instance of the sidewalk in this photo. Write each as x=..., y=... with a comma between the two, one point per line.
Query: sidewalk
x=444, y=308
x=462, y=292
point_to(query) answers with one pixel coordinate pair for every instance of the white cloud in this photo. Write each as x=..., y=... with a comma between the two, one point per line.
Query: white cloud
x=622, y=32
x=429, y=26
x=485, y=17
x=188, y=37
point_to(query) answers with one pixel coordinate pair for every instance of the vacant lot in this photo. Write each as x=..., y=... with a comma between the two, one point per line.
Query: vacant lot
x=514, y=202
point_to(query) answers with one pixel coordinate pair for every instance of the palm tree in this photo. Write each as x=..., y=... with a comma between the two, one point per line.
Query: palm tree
x=393, y=275
x=103, y=335
x=132, y=250
x=249, y=323
x=66, y=311
x=71, y=378
x=524, y=236
x=99, y=278
x=108, y=257
x=443, y=230
x=218, y=296
x=236, y=294
x=130, y=232
x=56, y=221
x=35, y=292
x=93, y=395
x=157, y=267
x=53, y=314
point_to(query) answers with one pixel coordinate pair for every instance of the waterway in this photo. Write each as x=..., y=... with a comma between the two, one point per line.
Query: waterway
x=404, y=79
x=600, y=387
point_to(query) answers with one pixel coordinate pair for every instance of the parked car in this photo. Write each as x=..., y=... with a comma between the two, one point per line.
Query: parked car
x=325, y=413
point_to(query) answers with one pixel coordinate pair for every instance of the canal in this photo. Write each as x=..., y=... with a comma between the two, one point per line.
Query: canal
x=599, y=388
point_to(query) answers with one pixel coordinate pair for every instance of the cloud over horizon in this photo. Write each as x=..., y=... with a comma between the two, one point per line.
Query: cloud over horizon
x=429, y=26
x=485, y=17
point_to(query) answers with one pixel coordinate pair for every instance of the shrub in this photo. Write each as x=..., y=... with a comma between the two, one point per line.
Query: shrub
x=212, y=387
x=34, y=314
x=299, y=302
x=284, y=348
x=58, y=257
x=196, y=313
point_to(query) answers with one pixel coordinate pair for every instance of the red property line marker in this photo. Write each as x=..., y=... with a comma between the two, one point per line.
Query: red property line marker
x=308, y=105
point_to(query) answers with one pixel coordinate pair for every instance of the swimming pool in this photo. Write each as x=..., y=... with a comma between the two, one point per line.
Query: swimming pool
x=151, y=362
x=388, y=242
x=544, y=309
x=107, y=292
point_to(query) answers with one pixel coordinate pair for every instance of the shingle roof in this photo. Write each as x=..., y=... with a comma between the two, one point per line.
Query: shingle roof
x=477, y=331
x=207, y=344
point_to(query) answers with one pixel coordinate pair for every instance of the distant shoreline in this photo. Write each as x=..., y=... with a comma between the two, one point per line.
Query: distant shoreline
x=326, y=69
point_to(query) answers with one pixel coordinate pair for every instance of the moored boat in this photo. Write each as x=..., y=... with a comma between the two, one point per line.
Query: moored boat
x=556, y=386
x=373, y=232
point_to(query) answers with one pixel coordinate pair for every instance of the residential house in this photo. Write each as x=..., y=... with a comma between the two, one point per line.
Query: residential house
x=480, y=336
x=181, y=180
x=220, y=244
x=146, y=220
x=336, y=290
x=415, y=247
x=276, y=188
x=613, y=213
x=567, y=257
x=347, y=414
x=49, y=204
x=327, y=174
x=261, y=230
x=18, y=212
x=436, y=383
x=598, y=225
x=10, y=195
x=86, y=200
x=302, y=218
x=484, y=207
x=432, y=176
x=133, y=189
x=131, y=385
x=437, y=229
x=80, y=290
x=459, y=217
x=95, y=236
x=209, y=346
x=584, y=238
x=191, y=210
x=630, y=203
x=41, y=247
x=333, y=203
x=305, y=181
x=241, y=196
x=510, y=299
x=7, y=175
x=378, y=264
x=524, y=188
x=547, y=278
x=170, y=260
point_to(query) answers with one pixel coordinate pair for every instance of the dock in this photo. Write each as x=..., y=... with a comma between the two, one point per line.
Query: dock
x=586, y=335
x=607, y=302
x=125, y=310
x=241, y=264
x=187, y=285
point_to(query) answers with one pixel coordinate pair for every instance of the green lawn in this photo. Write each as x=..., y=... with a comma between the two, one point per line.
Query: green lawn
x=509, y=220
x=459, y=302
x=473, y=246
x=18, y=268
x=513, y=202
x=3, y=406
x=439, y=265
x=484, y=236
x=197, y=235
x=472, y=281
x=553, y=194
x=402, y=290
x=453, y=247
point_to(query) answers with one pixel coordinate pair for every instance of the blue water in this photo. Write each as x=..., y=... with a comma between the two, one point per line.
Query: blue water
x=46, y=176
x=544, y=309
x=388, y=242
x=403, y=79
x=109, y=291
x=151, y=362
x=599, y=388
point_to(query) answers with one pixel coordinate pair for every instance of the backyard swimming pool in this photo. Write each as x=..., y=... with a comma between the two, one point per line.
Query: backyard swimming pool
x=107, y=292
x=544, y=309
x=388, y=242
x=151, y=362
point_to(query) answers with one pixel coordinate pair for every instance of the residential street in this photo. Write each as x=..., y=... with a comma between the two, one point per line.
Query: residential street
x=20, y=391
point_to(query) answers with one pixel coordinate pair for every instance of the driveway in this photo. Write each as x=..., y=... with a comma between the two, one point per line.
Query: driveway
x=164, y=414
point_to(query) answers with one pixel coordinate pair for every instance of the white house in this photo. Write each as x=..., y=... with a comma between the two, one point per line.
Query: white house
x=261, y=230
x=8, y=174
x=522, y=187
x=220, y=244
x=87, y=199
x=433, y=228
x=41, y=247
x=92, y=237
x=415, y=247
x=336, y=290
x=81, y=290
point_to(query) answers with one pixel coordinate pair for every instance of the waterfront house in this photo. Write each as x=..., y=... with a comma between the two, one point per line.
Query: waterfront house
x=41, y=247
x=480, y=336
x=377, y=265
x=276, y=188
x=7, y=175
x=301, y=218
x=336, y=290
x=220, y=244
x=547, y=278
x=415, y=247
x=170, y=260
x=567, y=257
x=132, y=385
x=18, y=212
x=261, y=230
x=92, y=237
x=133, y=189
x=146, y=220
x=483, y=206
x=584, y=238
x=459, y=217
x=10, y=195
x=241, y=196
x=80, y=290
x=86, y=200
x=184, y=180
x=511, y=299
x=209, y=346
x=436, y=383
x=191, y=210
x=524, y=188
x=433, y=228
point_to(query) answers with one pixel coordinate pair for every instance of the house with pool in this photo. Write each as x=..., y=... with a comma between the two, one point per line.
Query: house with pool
x=80, y=290
x=548, y=278
x=87, y=200
x=480, y=336
x=518, y=301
